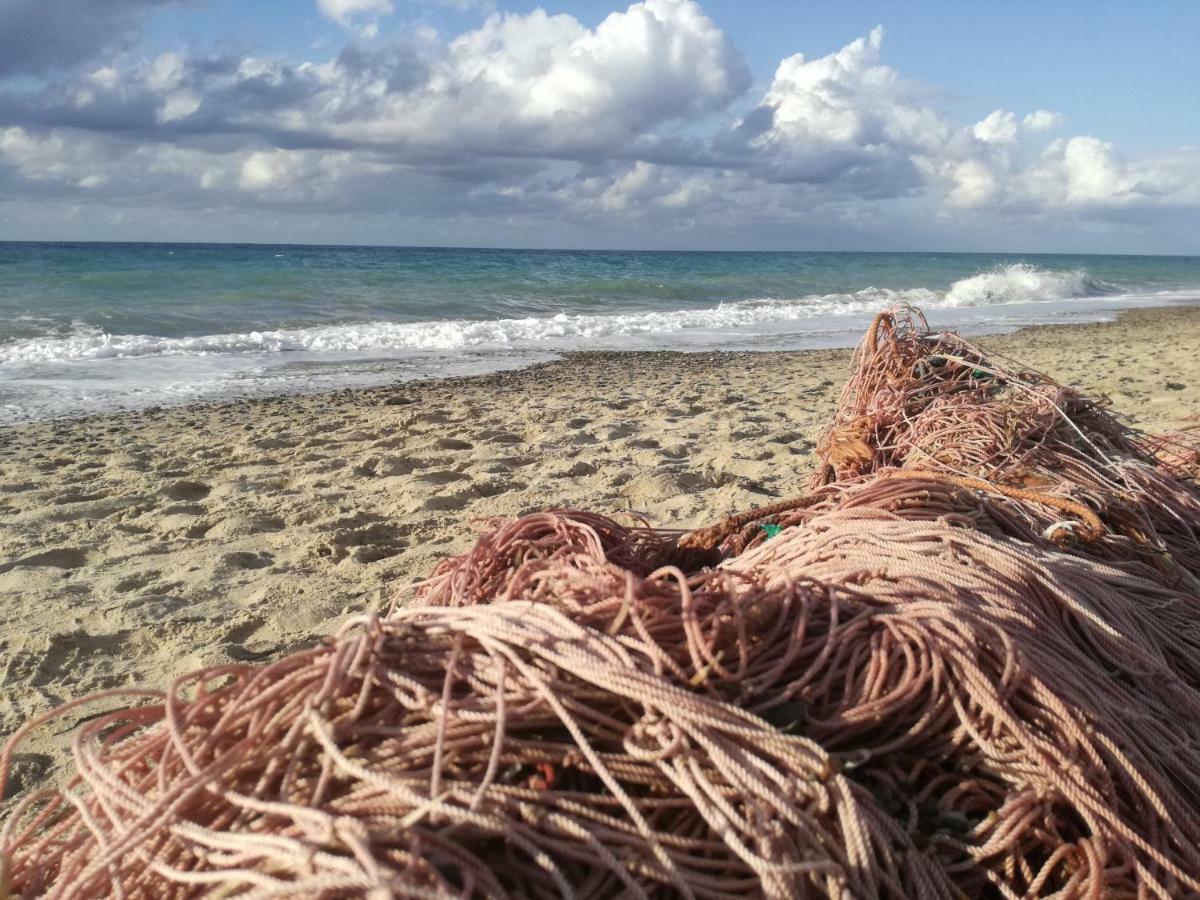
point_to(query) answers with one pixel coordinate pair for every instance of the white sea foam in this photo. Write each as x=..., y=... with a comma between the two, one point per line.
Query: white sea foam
x=1010, y=284
x=1023, y=283
x=448, y=335
x=87, y=370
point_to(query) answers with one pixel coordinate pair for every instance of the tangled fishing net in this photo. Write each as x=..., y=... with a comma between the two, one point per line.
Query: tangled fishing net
x=966, y=663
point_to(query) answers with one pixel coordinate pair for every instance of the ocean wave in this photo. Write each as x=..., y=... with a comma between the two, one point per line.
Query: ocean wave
x=1009, y=284
x=451, y=334
x=1023, y=283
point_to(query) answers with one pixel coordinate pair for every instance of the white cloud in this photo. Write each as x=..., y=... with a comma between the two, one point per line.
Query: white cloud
x=106, y=77
x=650, y=194
x=270, y=170
x=529, y=86
x=304, y=176
x=50, y=157
x=974, y=184
x=539, y=115
x=847, y=118
x=542, y=83
x=165, y=72
x=998, y=128
x=1077, y=174
x=845, y=115
x=1080, y=170
x=641, y=187
x=342, y=11
x=1042, y=120
x=178, y=105
x=1087, y=172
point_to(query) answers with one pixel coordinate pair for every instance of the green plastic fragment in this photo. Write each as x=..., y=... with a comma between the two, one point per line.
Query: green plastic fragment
x=772, y=530
x=981, y=375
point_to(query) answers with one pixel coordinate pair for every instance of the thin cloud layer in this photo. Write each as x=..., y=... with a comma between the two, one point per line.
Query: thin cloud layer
x=645, y=119
x=342, y=11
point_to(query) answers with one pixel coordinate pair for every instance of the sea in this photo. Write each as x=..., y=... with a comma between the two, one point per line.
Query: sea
x=89, y=328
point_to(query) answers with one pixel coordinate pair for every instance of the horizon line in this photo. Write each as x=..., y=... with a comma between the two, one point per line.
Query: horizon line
x=583, y=249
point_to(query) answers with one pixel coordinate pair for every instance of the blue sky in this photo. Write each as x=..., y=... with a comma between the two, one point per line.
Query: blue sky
x=1102, y=60
x=1063, y=127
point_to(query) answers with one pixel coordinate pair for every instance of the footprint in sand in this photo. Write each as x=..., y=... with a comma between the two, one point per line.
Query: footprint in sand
x=444, y=476
x=616, y=432
x=504, y=465
x=365, y=544
x=243, y=526
x=62, y=558
x=77, y=497
x=187, y=490
x=496, y=486
x=431, y=418
x=18, y=488
x=788, y=437
x=568, y=469
x=137, y=581
x=68, y=650
x=275, y=443
x=499, y=437
x=515, y=462
x=244, y=559
x=387, y=465
x=330, y=465
x=447, y=502
x=27, y=770
x=239, y=647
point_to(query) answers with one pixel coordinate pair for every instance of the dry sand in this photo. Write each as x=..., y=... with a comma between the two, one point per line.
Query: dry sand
x=137, y=546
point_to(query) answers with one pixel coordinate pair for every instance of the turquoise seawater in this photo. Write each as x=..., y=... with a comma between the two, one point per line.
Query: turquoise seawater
x=94, y=327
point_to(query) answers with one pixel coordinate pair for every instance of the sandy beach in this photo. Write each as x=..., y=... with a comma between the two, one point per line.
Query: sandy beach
x=142, y=545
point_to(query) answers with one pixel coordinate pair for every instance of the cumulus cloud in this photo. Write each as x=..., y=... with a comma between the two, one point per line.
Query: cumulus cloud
x=165, y=72
x=842, y=117
x=539, y=84
x=531, y=85
x=642, y=188
x=1082, y=172
x=1042, y=120
x=998, y=128
x=56, y=160
x=642, y=118
x=178, y=105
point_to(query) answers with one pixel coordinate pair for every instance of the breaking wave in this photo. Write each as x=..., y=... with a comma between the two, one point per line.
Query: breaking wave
x=1015, y=283
x=1023, y=283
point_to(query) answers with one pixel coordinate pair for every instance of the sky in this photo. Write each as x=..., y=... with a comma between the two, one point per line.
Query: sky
x=664, y=124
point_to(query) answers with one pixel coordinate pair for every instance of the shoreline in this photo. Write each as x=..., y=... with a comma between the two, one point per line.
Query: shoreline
x=139, y=545
x=561, y=358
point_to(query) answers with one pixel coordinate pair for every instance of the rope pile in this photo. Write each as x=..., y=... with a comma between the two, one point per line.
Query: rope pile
x=966, y=663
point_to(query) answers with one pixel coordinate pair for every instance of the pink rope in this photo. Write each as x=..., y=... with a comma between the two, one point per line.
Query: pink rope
x=917, y=688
